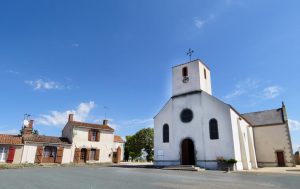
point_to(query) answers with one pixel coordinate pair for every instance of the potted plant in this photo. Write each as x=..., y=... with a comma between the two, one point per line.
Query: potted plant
x=231, y=164
x=226, y=165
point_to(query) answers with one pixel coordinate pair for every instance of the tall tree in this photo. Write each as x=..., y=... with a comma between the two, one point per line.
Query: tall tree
x=139, y=142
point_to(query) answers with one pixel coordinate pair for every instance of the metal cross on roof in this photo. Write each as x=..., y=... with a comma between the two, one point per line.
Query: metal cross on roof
x=189, y=53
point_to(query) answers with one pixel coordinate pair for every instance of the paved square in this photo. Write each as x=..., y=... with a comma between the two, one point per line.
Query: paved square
x=138, y=178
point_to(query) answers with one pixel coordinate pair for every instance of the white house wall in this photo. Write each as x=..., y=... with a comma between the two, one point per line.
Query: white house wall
x=18, y=154
x=106, y=143
x=121, y=145
x=67, y=158
x=29, y=153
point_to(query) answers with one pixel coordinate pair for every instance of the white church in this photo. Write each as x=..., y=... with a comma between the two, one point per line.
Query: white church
x=196, y=128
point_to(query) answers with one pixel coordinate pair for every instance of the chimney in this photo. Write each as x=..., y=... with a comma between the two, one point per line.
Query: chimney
x=71, y=117
x=284, y=114
x=30, y=125
x=27, y=130
x=105, y=122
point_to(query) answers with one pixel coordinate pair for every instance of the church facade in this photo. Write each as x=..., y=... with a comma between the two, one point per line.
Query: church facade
x=196, y=128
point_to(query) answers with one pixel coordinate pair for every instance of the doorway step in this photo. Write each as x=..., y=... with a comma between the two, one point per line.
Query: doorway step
x=183, y=168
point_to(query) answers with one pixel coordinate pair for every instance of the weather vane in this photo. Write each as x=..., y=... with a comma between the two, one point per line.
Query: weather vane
x=189, y=53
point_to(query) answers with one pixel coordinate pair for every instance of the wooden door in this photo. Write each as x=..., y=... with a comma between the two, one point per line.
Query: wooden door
x=187, y=152
x=83, y=155
x=280, y=159
x=11, y=155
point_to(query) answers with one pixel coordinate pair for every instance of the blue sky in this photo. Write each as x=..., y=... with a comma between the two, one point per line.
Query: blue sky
x=58, y=57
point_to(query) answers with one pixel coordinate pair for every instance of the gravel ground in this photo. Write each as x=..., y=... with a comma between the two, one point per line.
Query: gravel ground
x=139, y=178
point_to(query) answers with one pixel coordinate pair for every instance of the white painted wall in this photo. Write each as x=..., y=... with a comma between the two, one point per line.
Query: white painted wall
x=29, y=153
x=18, y=154
x=67, y=158
x=196, y=78
x=121, y=145
x=243, y=143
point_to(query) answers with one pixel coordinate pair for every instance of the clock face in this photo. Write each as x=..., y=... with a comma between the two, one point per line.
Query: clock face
x=185, y=79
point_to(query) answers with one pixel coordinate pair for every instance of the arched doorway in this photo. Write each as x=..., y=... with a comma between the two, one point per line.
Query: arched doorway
x=187, y=152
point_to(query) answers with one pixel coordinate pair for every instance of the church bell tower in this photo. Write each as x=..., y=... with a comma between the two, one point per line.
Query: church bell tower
x=189, y=77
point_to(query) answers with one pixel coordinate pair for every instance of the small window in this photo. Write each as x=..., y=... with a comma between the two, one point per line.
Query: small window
x=94, y=135
x=165, y=133
x=184, y=71
x=3, y=154
x=93, y=154
x=49, y=151
x=213, y=129
x=204, y=73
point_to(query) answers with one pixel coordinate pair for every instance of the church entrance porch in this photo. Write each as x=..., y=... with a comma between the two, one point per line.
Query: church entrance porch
x=187, y=152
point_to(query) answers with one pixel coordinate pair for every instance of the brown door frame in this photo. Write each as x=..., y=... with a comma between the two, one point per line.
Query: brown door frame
x=85, y=152
x=279, y=163
x=192, y=158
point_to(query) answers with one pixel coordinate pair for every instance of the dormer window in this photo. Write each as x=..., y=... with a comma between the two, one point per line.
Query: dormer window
x=184, y=71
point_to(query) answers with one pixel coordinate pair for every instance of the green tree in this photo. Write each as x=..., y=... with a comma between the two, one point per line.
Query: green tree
x=140, y=141
x=145, y=142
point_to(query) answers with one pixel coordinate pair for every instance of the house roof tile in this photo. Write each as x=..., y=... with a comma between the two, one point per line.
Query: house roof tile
x=118, y=139
x=91, y=125
x=45, y=139
x=10, y=139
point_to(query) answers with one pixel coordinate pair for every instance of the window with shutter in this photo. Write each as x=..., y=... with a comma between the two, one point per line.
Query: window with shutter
x=90, y=135
x=93, y=154
x=97, y=155
x=98, y=136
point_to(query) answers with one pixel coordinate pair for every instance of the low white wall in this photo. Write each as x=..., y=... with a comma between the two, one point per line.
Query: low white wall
x=67, y=155
x=29, y=153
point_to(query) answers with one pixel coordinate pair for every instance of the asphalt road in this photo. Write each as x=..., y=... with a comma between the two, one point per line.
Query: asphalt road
x=137, y=178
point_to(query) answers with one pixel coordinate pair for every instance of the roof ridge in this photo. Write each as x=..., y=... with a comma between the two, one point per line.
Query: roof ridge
x=262, y=111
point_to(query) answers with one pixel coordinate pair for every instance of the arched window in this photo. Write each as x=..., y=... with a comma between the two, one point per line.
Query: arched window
x=165, y=133
x=213, y=129
x=184, y=71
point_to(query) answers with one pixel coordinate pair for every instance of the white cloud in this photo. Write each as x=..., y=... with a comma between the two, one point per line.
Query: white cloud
x=243, y=87
x=199, y=23
x=13, y=72
x=271, y=92
x=75, y=45
x=294, y=125
x=57, y=118
x=10, y=131
x=254, y=89
x=41, y=84
x=138, y=123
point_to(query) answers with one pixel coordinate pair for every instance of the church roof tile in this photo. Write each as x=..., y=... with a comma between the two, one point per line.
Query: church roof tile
x=268, y=117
